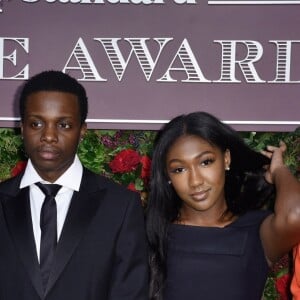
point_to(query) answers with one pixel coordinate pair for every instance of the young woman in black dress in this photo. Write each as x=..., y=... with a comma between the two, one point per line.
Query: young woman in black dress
x=209, y=237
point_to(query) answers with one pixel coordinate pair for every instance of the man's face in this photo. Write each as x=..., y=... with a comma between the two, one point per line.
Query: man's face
x=51, y=130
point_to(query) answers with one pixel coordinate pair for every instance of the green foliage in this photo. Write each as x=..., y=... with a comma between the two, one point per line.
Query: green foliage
x=100, y=147
x=11, y=151
x=259, y=141
x=270, y=292
x=92, y=153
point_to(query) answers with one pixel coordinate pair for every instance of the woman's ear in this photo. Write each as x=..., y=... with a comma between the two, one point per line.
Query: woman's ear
x=227, y=159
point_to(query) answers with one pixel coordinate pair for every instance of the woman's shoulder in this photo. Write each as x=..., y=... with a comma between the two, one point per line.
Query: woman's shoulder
x=250, y=218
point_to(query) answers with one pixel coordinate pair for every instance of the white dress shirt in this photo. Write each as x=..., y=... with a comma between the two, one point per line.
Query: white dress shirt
x=70, y=182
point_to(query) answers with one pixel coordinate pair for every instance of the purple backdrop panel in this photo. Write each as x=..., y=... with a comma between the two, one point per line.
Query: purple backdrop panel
x=146, y=61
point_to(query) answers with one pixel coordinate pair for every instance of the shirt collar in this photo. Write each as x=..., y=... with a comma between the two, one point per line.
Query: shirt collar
x=71, y=178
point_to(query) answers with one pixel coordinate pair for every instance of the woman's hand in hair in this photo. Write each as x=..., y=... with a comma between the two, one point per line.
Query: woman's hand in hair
x=277, y=162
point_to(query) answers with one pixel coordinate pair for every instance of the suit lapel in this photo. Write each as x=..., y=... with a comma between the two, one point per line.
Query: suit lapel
x=83, y=207
x=18, y=217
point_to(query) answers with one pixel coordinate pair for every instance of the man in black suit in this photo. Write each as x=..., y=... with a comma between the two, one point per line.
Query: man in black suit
x=97, y=249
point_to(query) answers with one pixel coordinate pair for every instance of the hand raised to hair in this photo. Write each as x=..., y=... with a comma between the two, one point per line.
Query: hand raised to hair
x=277, y=162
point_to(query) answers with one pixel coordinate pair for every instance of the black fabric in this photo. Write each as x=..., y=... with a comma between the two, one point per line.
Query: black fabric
x=217, y=263
x=101, y=252
x=48, y=224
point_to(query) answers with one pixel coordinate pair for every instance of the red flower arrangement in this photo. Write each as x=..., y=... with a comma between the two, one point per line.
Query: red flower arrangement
x=125, y=161
x=146, y=167
x=278, y=283
x=282, y=285
x=123, y=156
x=132, y=169
x=131, y=186
x=18, y=168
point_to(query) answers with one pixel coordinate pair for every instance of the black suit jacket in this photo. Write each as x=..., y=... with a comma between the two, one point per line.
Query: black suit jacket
x=101, y=253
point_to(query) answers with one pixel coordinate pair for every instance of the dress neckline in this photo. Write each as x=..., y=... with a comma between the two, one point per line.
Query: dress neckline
x=245, y=219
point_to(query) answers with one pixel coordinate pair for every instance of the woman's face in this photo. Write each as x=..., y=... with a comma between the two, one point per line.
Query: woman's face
x=196, y=170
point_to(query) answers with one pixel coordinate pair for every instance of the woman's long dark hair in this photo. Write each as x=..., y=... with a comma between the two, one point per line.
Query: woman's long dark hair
x=245, y=187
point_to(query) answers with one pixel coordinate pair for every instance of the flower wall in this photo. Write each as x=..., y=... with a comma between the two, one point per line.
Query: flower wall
x=125, y=157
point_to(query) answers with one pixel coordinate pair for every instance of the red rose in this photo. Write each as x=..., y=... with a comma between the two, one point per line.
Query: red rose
x=282, y=286
x=146, y=167
x=125, y=161
x=131, y=186
x=18, y=168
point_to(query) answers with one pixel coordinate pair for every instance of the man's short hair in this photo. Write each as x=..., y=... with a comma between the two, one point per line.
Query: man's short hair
x=54, y=81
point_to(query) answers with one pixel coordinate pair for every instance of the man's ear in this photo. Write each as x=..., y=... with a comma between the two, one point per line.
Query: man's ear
x=83, y=130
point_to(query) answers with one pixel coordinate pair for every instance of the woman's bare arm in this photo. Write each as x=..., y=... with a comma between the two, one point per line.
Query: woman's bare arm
x=281, y=230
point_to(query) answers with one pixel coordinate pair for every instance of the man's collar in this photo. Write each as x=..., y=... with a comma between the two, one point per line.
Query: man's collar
x=71, y=178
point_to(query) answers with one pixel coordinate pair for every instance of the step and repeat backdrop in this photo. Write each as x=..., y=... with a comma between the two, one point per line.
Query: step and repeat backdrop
x=143, y=62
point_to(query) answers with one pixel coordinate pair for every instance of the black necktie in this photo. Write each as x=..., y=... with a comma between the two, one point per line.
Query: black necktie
x=48, y=226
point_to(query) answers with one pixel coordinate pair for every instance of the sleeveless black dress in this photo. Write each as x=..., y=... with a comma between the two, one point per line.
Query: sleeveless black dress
x=212, y=263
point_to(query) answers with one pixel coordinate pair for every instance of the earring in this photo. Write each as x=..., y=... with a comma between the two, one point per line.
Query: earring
x=227, y=168
x=169, y=182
